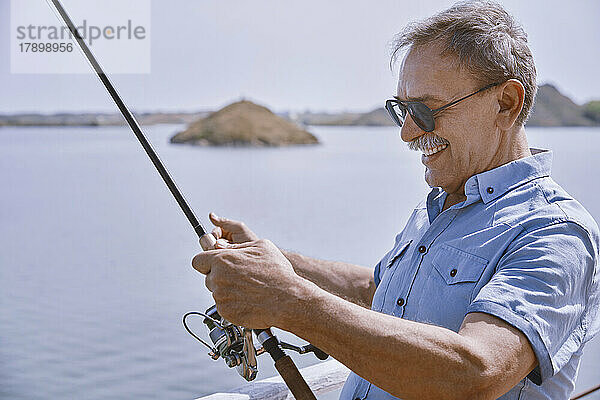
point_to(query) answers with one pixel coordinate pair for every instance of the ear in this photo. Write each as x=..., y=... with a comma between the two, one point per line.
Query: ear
x=511, y=95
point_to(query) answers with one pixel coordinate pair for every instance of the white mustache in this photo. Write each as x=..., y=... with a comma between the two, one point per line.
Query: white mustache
x=426, y=141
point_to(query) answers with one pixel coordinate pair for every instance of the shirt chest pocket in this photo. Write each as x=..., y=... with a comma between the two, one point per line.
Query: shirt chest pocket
x=457, y=266
x=448, y=289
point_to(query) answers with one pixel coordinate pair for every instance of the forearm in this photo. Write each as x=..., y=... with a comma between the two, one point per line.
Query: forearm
x=351, y=282
x=407, y=359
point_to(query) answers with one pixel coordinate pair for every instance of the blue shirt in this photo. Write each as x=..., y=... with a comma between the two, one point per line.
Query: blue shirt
x=519, y=248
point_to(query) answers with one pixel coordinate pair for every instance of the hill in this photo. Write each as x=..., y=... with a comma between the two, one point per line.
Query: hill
x=553, y=108
x=244, y=124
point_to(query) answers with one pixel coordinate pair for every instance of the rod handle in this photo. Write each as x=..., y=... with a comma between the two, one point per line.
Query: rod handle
x=292, y=378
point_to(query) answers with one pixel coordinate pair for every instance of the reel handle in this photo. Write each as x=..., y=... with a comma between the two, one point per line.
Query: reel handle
x=320, y=354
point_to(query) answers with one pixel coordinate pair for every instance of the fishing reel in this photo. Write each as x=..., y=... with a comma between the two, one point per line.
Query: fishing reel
x=235, y=345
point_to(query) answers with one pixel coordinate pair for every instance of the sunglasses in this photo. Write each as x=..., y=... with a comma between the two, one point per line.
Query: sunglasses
x=422, y=115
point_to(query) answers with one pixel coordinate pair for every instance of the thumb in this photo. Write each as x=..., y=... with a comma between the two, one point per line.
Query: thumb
x=219, y=221
x=214, y=219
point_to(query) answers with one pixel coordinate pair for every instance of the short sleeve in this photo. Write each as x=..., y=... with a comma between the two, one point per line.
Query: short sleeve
x=541, y=286
x=376, y=276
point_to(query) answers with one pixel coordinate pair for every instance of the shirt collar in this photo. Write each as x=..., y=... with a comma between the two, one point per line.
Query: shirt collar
x=490, y=185
x=435, y=203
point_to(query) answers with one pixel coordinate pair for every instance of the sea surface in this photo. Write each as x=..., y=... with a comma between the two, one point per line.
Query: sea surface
x=95, y=254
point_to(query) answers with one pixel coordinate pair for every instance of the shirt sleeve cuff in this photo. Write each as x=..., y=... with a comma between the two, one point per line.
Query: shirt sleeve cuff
x=544, y=370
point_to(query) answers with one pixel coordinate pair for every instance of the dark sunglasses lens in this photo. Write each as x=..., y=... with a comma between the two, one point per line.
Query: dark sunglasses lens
x=396, y=111
x=422, y=116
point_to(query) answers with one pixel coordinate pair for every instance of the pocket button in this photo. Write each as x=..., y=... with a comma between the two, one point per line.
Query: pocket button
x=453, y=272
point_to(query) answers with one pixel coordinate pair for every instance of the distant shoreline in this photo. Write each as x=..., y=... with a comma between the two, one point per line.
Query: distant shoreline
x=98, y=119
x=551, y=108
x=148, y=119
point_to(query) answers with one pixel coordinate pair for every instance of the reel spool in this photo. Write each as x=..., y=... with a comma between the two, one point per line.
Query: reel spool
x=230, y=342
x=235, y=345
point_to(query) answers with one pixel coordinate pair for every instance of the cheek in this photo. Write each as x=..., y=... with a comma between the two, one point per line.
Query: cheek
x=470, y=147
x=459, y=138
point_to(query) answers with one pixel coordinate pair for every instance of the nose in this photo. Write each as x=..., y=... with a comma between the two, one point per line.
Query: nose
x=410, y=131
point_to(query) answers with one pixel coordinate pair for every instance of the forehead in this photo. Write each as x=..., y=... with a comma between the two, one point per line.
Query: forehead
x=425, y=72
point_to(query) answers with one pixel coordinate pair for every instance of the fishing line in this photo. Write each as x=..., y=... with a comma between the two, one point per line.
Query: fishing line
x=213, y=351
x=130, y=118
x=231, y=342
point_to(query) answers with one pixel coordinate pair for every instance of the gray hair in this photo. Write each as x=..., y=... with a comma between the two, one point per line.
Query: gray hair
x=487, y=40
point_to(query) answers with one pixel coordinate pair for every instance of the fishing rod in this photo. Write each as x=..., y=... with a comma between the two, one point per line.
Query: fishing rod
x=231, y=342
x=583, y=394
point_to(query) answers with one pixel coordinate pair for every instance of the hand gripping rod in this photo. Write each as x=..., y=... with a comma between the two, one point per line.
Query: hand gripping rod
x=283, y=363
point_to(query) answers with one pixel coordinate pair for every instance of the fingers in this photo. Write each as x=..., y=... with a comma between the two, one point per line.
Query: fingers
x=208, y=282
x=213, y=218
x=224, y=228
x=224, y=244
x=202, y=262
x=234, y=231
x=217, y=232
x=229, y=225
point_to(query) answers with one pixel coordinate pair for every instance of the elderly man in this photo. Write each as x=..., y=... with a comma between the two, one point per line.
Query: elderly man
x=491, y=289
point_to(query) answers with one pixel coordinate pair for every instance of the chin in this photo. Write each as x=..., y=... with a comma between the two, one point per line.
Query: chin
x=431, y=178
x=437, y=180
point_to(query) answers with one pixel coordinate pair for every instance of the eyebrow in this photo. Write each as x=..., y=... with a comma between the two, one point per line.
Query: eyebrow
x=425, y=97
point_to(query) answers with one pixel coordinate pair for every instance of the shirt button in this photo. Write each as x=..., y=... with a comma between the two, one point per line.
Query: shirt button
x=490, y=190
x=453, y=272
x=422, y=249
x=400, y=302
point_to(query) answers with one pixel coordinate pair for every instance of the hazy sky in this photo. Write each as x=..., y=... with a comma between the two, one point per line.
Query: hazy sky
x=294, y=55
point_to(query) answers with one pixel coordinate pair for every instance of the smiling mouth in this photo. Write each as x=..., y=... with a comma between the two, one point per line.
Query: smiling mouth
x=428, y=144
x=434, y=150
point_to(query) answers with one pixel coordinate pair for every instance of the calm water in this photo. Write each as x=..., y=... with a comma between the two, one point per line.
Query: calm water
x=95, y=255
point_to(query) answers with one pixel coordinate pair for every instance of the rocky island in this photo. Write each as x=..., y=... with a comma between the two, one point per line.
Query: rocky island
x=244, y=124
x=552, y=108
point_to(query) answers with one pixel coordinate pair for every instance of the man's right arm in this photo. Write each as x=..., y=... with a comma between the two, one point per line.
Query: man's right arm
x=351, y=282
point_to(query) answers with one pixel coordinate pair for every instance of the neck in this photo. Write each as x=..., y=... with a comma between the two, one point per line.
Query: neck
x=513, y=146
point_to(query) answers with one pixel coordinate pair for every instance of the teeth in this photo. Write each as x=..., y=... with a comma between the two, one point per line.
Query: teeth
x=432, y=150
